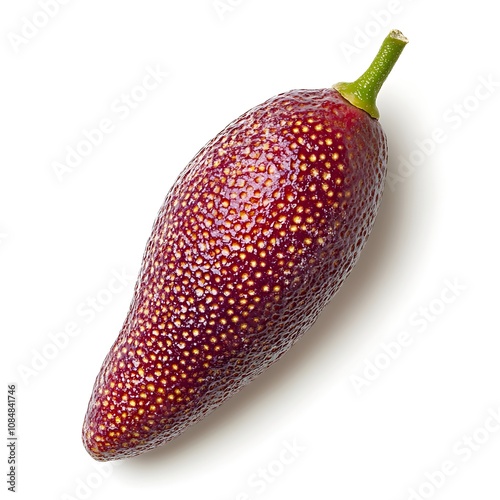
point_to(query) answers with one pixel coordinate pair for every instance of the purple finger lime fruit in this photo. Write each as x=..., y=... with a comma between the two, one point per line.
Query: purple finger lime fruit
x=255, y=237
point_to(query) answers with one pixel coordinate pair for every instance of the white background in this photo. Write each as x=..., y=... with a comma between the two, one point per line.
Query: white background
x=429, y=274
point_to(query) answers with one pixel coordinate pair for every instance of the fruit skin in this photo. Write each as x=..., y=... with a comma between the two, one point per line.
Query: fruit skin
x=255, y=237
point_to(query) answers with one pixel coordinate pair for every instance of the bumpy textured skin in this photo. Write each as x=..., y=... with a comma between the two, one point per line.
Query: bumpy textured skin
x=255, y=237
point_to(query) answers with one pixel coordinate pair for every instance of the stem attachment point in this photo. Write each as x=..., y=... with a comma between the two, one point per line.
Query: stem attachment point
x=363, y=92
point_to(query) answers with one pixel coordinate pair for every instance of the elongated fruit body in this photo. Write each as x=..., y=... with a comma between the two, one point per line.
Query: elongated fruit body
x=255, y=237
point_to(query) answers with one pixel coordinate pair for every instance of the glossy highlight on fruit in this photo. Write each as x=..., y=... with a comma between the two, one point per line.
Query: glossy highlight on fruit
x=255, y=237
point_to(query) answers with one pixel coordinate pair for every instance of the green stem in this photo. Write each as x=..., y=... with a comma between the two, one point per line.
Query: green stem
x=362, y=93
